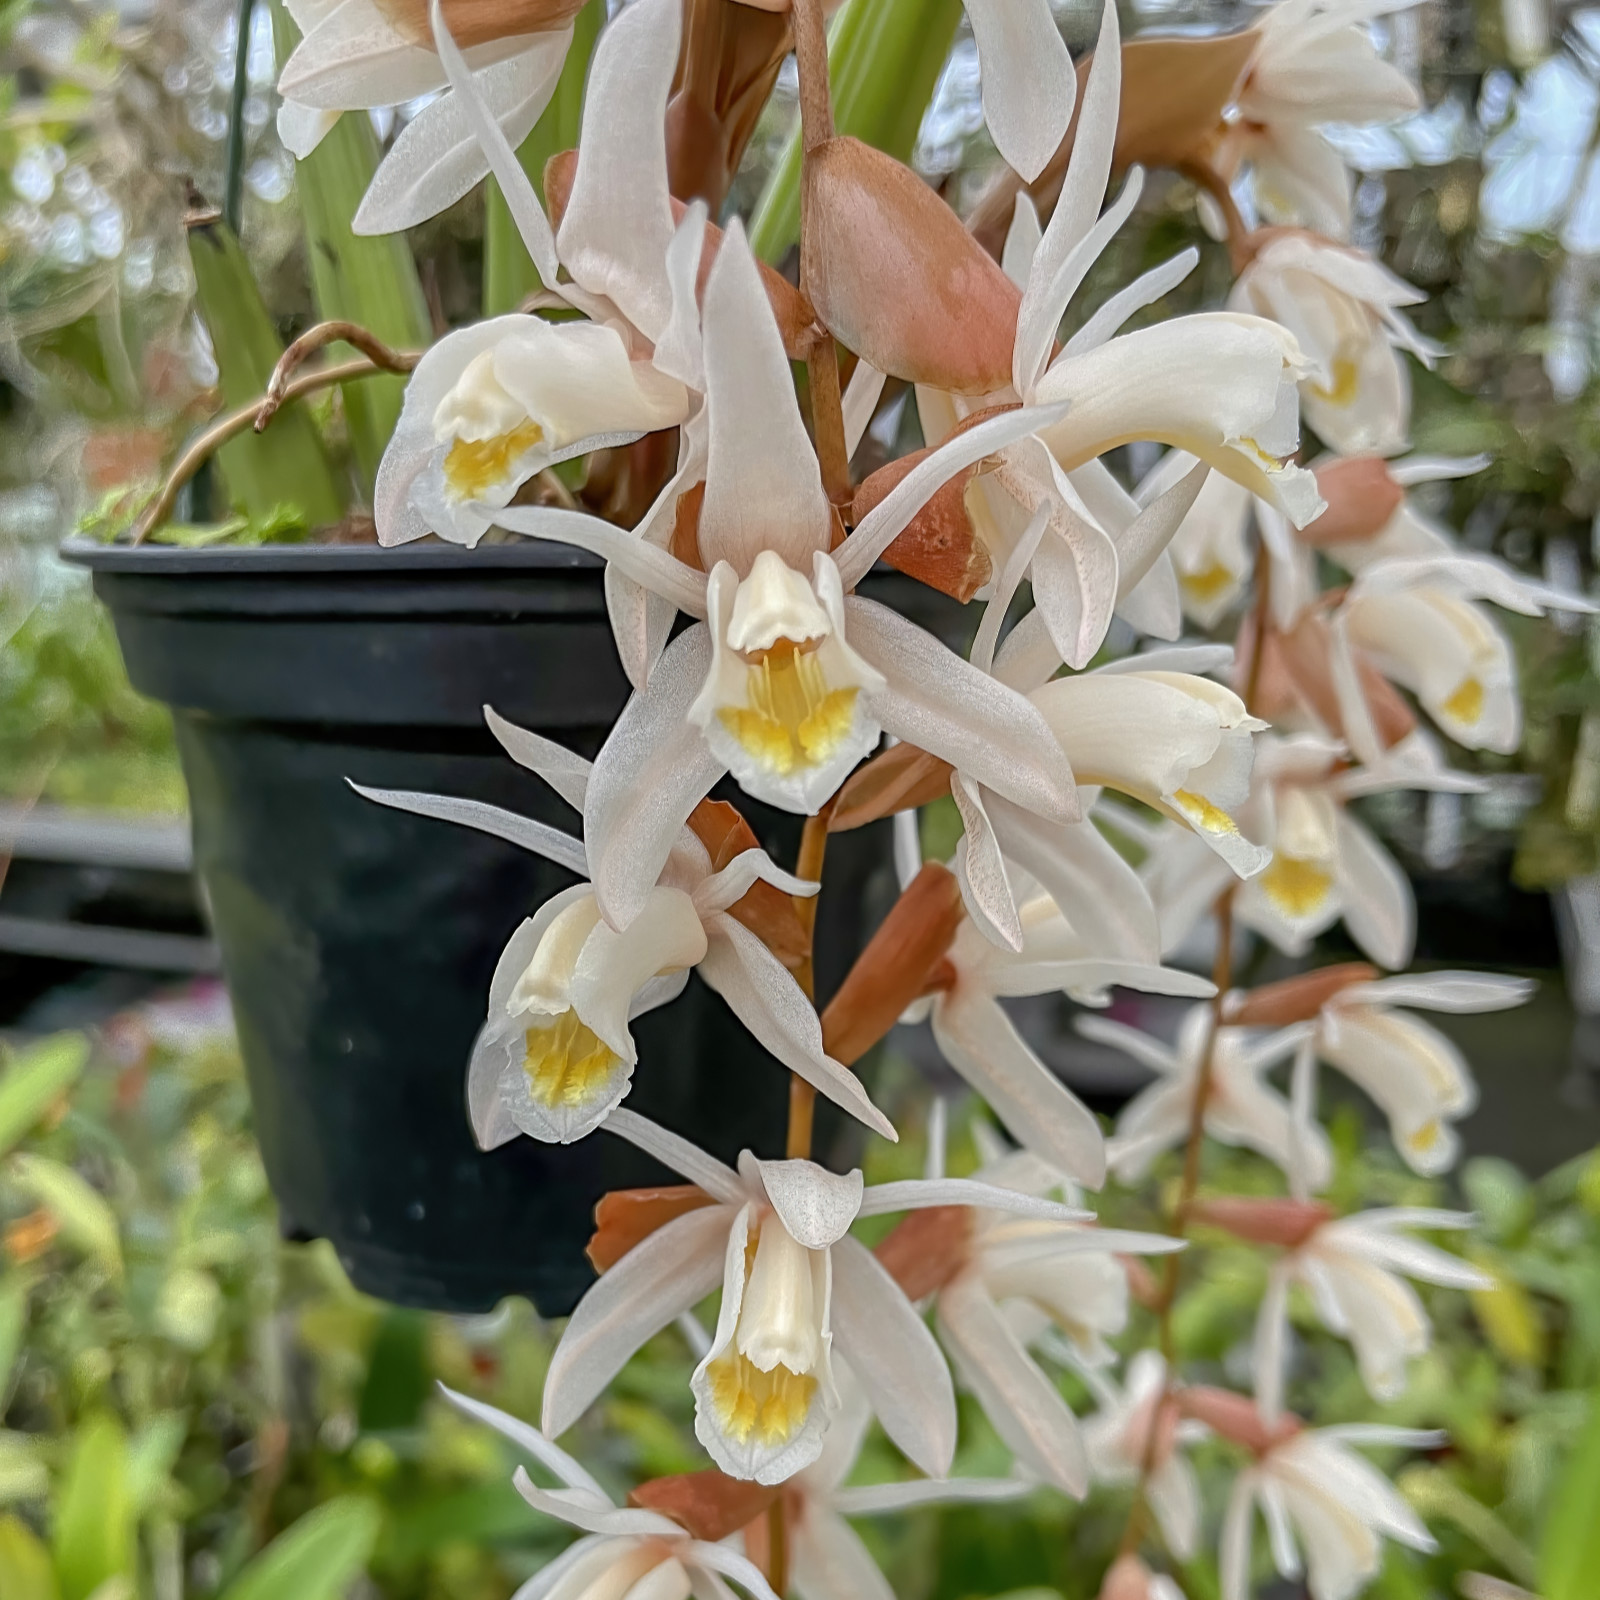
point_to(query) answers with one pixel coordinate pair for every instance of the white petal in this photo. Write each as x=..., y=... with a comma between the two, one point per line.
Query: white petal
x=860, y=401
x=921, y=1194
x=1024, y=1406
x=765, y=997
x=524, y=832
x=437, y=157
x=1041, y=1113
x=678, y=1265
x=1379, y=908
x=1028, y=82
x=748, y=868
x=581, y=1511
x=564, y=770
x=894, y=1356
x=763, y=484
x=671, y=1150
x=528, y=1439
x=1143, y=291
x=729, y=1563
x=618, y=223
x=936, y=700
x=652, y=771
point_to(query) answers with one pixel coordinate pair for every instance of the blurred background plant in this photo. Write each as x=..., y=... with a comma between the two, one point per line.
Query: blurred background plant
x=183, y=1391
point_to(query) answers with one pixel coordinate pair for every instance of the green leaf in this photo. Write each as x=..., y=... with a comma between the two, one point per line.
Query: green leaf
x=256, y=466
x=509, y=275
x=1569, y=1558
x=316, y=1558
x=35, y=1080
x=23, y=1475
x=94, y=1517
x=86, y=1221
x=152, y=1454
x=398, y=1377
x=13, y=1323
x=884, y=61
x=369, y=279
x=25, y=1569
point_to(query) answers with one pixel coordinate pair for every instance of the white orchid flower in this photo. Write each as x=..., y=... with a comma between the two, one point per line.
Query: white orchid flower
x=1326, y=865
x=1343, y=308
x=627, y=1552
x=1240, y=1109
x=1211, y=551
x=494, y=404
x=1355, y=1269
x=357, y=55
x=827, y=1558
x=1311, y=1483
x=791, y=678
x=1314, y=63
x=555, y=1055
x=1000, y=1282
x=1419, y=621
x=1219, y=386
x=1135, y=1436
x=775, y=1237
x=978, y=1038
x=1416, y=1075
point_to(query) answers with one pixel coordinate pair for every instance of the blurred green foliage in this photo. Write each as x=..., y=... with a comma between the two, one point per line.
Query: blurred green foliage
x=189, y=1406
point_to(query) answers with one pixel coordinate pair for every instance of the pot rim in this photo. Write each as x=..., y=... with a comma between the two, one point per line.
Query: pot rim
x=525, y=555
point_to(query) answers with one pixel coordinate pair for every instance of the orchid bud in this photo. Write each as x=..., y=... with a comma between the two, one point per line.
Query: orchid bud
x=1361, y=496
x=1236, y=1418
x=898, y=280
x=1303, y=657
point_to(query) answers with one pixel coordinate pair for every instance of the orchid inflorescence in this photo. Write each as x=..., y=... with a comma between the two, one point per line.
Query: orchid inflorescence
x=1112, y=802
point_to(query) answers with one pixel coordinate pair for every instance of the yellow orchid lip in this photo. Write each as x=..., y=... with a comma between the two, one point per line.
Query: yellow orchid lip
x=472, y=467
x=1299, y=888
x=767, y=1407
x=567, y=1066
x=791, y=718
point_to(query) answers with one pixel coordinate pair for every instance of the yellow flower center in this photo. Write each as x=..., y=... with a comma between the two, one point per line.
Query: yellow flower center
x=1205, y=816
x=473, y=465
x=1423, y=1139
x=566, y=1064
x=1342, y=389
x=792, y=718
x=1296, y=886
x=1208, y=583
x=771, y=1406
x=1465, y=704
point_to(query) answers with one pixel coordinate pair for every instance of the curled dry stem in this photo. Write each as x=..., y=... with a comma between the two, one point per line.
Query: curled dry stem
x=368, y=343
x=235, y=423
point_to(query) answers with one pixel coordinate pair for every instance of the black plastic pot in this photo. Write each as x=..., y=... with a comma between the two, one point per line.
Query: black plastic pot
x=358, y=941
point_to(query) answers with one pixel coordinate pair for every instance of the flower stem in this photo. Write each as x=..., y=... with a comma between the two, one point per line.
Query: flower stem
x=1194, y=1144
x=822, y=365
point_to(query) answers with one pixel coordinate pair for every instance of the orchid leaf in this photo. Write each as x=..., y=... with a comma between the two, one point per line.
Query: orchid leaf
x=36, y=1078
x=94, y=1527
x=1569, y=1558
x=316, y=1559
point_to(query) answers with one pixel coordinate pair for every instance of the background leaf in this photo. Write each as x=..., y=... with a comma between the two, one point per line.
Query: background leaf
x=316, y=1558
x=35, y=1080
x=94, y=1517
x=1569, y=1558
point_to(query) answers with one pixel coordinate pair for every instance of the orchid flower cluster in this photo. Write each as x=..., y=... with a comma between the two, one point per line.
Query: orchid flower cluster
x=1123, y=789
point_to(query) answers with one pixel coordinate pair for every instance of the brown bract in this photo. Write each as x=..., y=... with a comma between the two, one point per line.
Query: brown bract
x=895, y=780
x=1296, y=999
x=939, y=546
x=709, y=1505
x=1273, y=1220
x=927, y=1249
x=625, y=1217
x=1128, y=1579
x=797, y=322
x=474, y=22
x=898, y=964
x=897, y=279
x=1174, y=93
x=1297, y=669
x=1235, y=1417
x=1361, y=497
x=764, y=909
x=727, y=65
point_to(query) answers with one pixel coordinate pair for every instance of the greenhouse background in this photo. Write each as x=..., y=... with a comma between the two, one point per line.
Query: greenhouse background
x=194, y=1399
